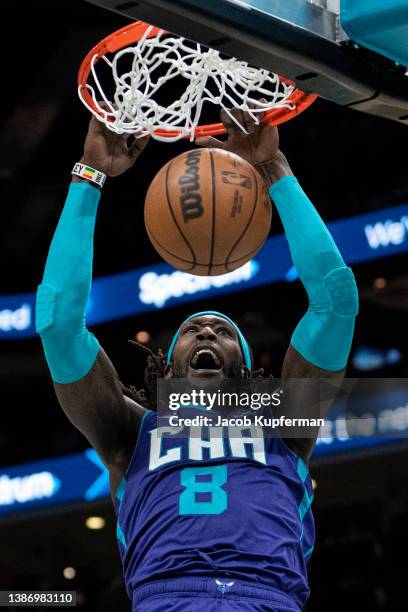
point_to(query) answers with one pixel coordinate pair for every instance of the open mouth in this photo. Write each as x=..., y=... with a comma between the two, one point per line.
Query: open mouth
x=205, y=359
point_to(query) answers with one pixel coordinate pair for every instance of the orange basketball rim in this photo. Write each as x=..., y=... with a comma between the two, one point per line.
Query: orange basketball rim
x=134, y=32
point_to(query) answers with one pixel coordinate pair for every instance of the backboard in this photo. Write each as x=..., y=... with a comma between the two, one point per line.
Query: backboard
x=299, y=39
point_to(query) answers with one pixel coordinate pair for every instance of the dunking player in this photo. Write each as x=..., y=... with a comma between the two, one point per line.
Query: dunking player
x=201, y=525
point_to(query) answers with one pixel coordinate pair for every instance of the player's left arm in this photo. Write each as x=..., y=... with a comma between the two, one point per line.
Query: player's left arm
x=321, y=342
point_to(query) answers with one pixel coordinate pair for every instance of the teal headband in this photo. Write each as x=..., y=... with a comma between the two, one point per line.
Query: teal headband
x=244, y=344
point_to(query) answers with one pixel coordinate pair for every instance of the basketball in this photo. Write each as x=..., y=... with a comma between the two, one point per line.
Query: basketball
x=207, y=212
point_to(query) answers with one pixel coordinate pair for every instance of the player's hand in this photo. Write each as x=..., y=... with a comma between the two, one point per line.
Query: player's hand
x=108, y=152
x=259, y=146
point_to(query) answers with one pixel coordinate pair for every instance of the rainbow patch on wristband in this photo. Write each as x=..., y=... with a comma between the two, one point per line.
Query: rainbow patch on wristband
x=89, y=173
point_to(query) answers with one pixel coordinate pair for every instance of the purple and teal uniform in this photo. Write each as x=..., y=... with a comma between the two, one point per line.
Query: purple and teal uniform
x=208, y=520
x=222, y=522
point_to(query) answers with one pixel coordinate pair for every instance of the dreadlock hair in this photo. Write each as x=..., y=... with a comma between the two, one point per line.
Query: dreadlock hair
x=155, y=367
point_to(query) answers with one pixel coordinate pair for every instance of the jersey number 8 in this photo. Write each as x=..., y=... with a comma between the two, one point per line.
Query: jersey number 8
x=203, y=492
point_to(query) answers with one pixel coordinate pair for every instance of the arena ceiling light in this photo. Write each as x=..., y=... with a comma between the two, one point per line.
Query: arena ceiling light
x=69, y=573
x=95, y=522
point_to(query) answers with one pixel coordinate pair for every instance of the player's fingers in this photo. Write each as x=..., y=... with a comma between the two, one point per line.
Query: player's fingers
x=106, y=108
x=136, y=146
x=227, y=120
x=249, y=121
x=97, y=125
x=262, y=115
x=209, y=141
x=235, y=118
x=257, y=116
x=104, y=105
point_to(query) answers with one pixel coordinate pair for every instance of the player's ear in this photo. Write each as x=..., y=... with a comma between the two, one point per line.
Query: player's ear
x=168, y=371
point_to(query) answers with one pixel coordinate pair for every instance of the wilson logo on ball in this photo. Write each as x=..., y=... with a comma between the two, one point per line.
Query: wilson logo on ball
x=190, y=199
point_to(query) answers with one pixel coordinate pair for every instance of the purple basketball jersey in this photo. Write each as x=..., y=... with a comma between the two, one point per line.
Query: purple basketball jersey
x=213, y=503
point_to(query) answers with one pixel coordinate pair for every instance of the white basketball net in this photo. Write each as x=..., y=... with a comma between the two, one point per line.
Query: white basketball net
x=229, y=83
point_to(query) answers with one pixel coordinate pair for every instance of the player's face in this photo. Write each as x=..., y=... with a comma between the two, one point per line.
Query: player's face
x=207, y=348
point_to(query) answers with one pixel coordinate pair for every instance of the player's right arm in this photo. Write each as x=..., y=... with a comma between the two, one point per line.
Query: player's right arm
x=86, y=383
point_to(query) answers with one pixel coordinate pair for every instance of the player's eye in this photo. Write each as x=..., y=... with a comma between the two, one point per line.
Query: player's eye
x=190, y=329
x=224, y=331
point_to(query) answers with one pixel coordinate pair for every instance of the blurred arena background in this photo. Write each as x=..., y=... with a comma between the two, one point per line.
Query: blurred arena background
x=349, y=163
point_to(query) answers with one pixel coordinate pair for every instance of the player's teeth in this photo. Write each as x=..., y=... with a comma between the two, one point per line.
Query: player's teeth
x=204, y=351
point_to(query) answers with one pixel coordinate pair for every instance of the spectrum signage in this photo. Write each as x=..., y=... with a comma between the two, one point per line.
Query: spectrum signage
x=361, y=238
x=53, y=481
x=157, y=289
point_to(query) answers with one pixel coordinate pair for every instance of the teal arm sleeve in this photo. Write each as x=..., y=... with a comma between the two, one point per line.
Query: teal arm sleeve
x=325, y=333
x=70, y=349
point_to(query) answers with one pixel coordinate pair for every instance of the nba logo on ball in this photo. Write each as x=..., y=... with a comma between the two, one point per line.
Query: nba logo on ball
x=207, y=212
x=234, y=178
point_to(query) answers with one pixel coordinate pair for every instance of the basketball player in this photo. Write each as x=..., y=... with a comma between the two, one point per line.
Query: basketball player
x=201, y=526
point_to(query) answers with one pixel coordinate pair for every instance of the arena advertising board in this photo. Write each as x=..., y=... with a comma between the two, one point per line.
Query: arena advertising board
x=61, y=480
x=361, y=238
